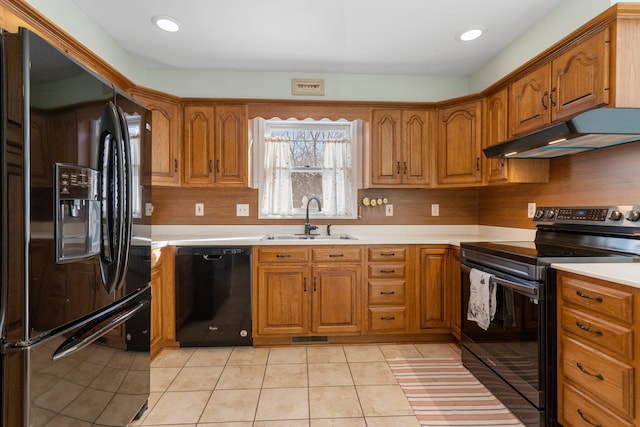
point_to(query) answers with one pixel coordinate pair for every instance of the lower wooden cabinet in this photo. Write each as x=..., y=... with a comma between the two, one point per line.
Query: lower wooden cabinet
x=388, y=289
x=598, y=364
x=369, y=292
x=303, y=290
x=163, y=325
x=433, y=290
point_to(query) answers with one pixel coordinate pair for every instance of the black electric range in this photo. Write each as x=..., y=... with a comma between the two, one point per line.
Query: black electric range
x=515, y=355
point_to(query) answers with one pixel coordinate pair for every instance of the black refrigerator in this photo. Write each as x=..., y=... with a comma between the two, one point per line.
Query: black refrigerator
x=75, y=294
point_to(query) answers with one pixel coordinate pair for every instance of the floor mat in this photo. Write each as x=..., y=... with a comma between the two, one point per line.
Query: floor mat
x=442, y=392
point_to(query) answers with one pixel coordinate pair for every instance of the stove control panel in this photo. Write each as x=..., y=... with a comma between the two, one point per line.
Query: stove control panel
x=598, y=215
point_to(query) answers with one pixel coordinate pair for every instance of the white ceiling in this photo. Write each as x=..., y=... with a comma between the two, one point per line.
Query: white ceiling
x=392, y=37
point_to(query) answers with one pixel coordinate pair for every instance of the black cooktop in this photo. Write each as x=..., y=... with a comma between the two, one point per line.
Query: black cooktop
x=544, y=253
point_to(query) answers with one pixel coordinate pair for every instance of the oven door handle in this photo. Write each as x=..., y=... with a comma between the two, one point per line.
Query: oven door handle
x=518, y=287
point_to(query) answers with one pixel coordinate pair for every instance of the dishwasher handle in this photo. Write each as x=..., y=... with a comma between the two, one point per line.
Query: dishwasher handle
x=208, y=257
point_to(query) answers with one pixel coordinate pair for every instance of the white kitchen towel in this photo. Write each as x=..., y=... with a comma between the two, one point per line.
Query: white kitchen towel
x=482, y=298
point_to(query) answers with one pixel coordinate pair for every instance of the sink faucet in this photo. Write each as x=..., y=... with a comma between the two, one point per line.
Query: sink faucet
x=308, y=228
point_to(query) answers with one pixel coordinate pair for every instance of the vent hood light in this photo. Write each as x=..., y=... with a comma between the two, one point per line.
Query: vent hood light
x=599, y=128
x=557, y=141
x=166, y=23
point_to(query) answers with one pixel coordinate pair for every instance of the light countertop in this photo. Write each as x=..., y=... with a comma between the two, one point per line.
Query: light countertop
x=623, y=273
x=183, y=235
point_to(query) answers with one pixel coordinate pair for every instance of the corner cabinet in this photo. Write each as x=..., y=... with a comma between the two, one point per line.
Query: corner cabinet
x=575, y=81
x=598, y=354
x=459, y=145
x=506, y=171
x=400, y=148
x=166, y=159
x=215, y=145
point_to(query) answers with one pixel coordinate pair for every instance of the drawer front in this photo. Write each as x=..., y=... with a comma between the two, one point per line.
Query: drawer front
x=599, y=332
x=387, y=292
x=336, y=254
x=283, y=254
x=387, y=319
x=597, y=298
x=386, y=270
x=580, y=410
x=599, y=375
x=391, y=254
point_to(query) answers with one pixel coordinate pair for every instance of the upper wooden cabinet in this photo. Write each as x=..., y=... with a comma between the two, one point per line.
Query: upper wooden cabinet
x=459, y=144
x=577, y=80
x=215, y=145
x=165, y=137
x=503, y=171
x=400, y=148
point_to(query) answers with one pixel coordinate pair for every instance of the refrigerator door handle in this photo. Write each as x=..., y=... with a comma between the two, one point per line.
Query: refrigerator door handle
x=110, y=158
x=124, y=153
x=77, y=342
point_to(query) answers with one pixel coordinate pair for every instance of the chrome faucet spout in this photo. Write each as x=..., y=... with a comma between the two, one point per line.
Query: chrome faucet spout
x=308, y=228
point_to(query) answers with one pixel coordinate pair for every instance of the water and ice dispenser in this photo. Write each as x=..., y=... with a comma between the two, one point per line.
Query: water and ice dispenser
x=77, y=219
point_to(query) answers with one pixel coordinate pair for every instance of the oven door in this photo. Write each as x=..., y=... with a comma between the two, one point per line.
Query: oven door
x=513, y=344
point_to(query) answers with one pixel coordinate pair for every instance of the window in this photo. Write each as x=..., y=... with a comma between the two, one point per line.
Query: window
x=295, y=160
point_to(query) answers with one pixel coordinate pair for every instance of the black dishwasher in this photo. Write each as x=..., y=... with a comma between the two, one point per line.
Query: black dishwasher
x=213, y=296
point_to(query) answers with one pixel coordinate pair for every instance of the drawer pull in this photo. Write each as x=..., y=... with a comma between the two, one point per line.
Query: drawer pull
x=388, y=318
x=581, y=295
x=388, y=254
x=336, y=255
x=387, y=271
x=587, y=329
x=283, y=255
x=598, y=376
x=387, y=292
x=587, y=419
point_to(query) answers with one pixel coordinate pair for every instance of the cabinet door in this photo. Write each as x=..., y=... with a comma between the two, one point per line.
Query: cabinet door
x=156, y=302
x=434, y=295
x=580, y=79
x=460, y=144
x=282, y=300
x=231, y=144
x=198, y=145
x=497, y=132
x=453, y=280
x=415, y=138
x=529, y=101
x=165, y=140
x=386, y=149
x=336, y=298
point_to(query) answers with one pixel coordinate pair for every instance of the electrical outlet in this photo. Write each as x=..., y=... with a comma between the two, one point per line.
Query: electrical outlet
x=199, y=209
x=148, y=209
x=435, y=209
x=389, y=210
x=531, y=210
x=242, y=210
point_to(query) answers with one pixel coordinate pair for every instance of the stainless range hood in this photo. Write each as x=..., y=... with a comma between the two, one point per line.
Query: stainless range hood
x=599, y=128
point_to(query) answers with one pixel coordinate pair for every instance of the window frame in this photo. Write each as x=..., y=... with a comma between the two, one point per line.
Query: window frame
x=259, y=129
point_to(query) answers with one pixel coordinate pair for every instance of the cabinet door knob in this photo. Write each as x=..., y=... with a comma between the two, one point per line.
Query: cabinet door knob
x=175, y=165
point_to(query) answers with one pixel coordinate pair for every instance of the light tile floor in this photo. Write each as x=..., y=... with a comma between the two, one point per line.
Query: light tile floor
x=316, y=386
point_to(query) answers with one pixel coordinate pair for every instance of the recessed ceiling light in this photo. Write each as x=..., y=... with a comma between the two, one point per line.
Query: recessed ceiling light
x=166, y=23
x=470, y=33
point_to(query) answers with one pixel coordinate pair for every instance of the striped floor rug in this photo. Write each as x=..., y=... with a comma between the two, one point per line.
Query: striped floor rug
x=442, y=392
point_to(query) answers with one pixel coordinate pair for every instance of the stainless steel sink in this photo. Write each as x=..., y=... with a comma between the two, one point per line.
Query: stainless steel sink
x=308, y=237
